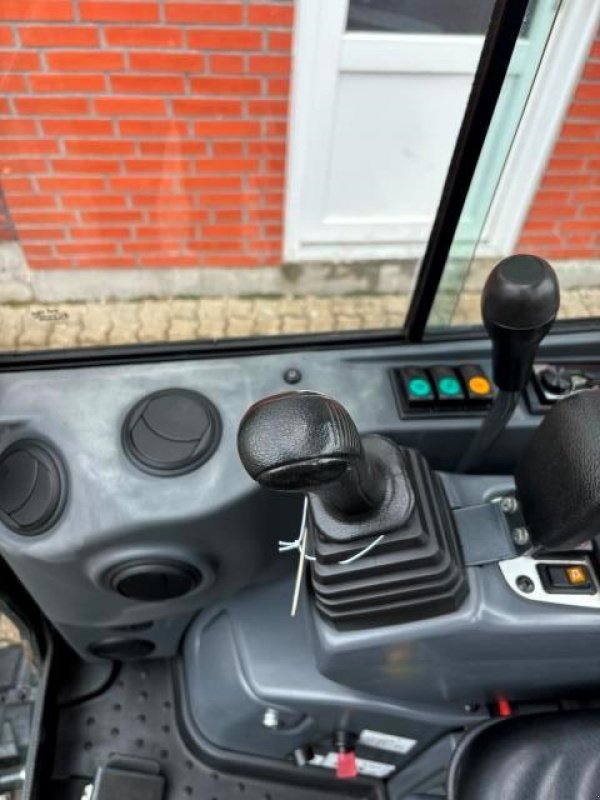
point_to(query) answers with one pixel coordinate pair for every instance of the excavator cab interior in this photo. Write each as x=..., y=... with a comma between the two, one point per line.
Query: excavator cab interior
x=348, y=564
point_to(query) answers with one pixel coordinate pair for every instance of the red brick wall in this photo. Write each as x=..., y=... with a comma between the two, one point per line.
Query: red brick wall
x=145, y=133
x=564, y=219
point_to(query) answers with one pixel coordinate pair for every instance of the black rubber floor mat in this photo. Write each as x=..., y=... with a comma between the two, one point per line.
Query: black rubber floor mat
x=136, y=716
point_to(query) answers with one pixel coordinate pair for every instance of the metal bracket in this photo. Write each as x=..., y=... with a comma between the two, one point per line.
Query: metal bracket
x=525, y=566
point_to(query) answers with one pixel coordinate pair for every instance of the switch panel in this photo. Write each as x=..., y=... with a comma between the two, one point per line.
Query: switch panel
x=568, y=580
x=442, y=390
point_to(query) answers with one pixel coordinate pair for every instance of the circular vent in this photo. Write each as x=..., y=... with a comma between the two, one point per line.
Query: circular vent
x=33, y=487
x=171, y=432
x=150, y=581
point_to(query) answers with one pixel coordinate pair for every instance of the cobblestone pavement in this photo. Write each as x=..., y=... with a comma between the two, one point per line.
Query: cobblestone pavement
x=31, y=327
x=9, y=633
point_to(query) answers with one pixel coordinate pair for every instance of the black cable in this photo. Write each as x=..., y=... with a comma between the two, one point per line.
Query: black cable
x=491, y=427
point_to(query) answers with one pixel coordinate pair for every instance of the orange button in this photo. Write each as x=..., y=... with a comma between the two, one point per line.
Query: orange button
x=479, y=384
x=577, y=576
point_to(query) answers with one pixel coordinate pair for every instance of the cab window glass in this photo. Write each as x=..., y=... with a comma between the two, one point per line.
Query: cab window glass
x=187, y=171
x=536, y=187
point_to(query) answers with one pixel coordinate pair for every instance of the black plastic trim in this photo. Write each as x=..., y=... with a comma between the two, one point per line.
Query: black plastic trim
x=49, y=455
x=166, y=468
x=473, y=332
x=184, y=351
x=505, y=24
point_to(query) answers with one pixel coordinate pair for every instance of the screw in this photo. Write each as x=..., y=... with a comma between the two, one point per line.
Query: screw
x=525, y=584
x=509, y=504
x=271, y=719
x=521, y=537
x=292, y=375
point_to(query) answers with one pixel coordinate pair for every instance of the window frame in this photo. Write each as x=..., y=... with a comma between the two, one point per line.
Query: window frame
x=500, y=42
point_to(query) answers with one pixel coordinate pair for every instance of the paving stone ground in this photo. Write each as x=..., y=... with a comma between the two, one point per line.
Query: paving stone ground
x=36, y=326
x=9, y=633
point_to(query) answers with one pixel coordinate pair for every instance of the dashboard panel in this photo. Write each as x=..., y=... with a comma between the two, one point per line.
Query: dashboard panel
x=135, y=552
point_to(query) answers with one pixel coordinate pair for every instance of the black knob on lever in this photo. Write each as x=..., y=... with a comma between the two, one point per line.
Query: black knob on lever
x=519, y=303
x=306, y=442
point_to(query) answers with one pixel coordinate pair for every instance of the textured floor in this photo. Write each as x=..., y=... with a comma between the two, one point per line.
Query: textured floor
x=136, y=716
x=31, y=327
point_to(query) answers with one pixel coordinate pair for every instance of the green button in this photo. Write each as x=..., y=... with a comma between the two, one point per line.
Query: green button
x=419, y=387
x=449, y=386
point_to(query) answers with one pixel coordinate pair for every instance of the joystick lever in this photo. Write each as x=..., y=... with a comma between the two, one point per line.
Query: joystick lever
x=306, y=442
x=519, y=303
x=374, y=509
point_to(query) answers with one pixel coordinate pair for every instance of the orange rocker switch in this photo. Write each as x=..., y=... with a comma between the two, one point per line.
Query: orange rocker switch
x=577, y=576
x=567, y=578
x=477, y=384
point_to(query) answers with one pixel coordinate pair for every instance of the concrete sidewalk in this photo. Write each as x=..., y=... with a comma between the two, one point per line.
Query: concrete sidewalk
x=41, y=326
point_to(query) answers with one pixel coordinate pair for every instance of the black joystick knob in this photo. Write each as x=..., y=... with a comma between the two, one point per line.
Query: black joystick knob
x=519, y=304
x=306, y=442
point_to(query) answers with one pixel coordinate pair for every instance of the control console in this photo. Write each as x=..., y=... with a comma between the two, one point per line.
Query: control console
x=381, y=537
x=461, y=390
x=384, y=547
x=439, y=594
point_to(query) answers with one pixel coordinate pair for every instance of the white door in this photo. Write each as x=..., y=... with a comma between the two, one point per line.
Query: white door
x=375, y=116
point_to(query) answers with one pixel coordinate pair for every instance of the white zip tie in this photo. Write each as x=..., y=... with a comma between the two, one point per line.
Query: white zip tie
x=300, y=543
x=288, y=547
x=299, y=573
x=362, y=552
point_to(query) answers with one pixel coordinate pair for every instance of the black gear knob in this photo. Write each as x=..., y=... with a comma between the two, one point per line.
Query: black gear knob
x=519, y=303
x=307, y=442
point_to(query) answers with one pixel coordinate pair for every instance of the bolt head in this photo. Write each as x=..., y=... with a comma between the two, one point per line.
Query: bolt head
x=521, y=537
x=525, y=584
x=509, y=504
